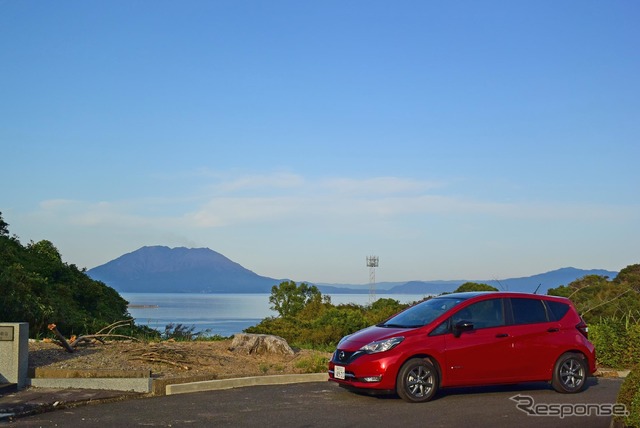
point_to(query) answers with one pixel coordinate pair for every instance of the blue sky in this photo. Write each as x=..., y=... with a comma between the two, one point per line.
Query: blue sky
x=455, y=140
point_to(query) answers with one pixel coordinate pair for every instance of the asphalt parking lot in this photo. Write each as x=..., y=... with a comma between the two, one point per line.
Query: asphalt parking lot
x=325, y=404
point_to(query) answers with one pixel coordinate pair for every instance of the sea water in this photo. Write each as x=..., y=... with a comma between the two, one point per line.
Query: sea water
x=220, y=314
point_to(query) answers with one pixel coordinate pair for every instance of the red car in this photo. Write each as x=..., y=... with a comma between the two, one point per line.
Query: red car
x=466, y=339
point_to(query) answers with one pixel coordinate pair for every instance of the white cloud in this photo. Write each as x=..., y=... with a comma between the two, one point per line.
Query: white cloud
x=285, y=197
x=262, y=182
x=224, y=211
x=242, y=216
x=378, y=185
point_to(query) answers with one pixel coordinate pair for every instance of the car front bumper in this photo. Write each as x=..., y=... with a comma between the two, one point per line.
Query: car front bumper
x=366, y=371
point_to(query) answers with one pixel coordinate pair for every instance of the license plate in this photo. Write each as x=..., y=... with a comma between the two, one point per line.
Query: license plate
x=338, y=372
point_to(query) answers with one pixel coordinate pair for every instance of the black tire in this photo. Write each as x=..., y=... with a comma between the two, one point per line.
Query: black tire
x=570, y=373
x=417, y=381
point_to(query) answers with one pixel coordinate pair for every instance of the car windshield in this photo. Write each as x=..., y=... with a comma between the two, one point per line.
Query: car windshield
x=422, y=313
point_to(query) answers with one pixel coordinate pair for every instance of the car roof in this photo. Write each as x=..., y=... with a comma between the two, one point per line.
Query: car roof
x=471, y=294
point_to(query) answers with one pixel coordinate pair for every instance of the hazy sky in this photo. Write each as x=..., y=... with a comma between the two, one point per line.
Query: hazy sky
x=453, y=139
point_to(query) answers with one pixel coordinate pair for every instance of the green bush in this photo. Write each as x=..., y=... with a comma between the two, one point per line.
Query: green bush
x=317, y=323
x=182, y=333
x=617, y=341
x=629, y=395
x=474, y=286
x=382, y=309
x=286, y=328
x=315, y=363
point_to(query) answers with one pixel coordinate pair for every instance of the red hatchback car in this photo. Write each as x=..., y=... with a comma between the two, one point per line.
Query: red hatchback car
x=466, y=339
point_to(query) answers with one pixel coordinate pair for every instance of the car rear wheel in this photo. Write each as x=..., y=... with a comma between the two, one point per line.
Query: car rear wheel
x=417, y=381
x=570, y=373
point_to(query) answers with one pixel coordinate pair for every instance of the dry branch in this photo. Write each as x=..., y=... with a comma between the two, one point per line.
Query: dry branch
x=161, y=353
x=70, y=347
x=90, y=337
x=114, y=326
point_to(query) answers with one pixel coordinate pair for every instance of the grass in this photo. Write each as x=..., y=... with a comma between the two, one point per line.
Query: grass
x=313, y=364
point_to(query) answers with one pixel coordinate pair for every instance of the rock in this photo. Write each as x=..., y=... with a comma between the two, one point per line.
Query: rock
x=260, y=344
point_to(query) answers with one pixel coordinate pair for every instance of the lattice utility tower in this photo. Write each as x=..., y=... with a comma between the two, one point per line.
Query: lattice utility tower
x=372, y=263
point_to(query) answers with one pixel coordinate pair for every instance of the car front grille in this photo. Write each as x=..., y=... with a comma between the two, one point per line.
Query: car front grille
x=345, y=357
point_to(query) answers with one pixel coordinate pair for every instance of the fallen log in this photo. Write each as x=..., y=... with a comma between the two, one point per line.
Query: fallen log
x=70, y=347
x=60, y=337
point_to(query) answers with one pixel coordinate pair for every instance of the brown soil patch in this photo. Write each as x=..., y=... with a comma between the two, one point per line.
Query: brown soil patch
x=172, y=360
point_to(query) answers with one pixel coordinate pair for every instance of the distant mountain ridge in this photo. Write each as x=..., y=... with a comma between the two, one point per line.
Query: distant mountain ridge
x=160, y=269
x=539, y=283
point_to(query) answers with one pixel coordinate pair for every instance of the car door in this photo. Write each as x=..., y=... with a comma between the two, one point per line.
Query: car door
x=536, y=338
x=484, y=354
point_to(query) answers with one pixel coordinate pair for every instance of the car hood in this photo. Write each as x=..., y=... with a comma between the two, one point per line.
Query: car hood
x=360, y=338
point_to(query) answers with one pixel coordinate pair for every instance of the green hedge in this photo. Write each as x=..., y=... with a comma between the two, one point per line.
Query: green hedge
x=617, y=342
x=629, y=395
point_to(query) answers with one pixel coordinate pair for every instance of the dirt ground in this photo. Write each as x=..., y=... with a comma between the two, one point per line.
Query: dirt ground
x=169, y=359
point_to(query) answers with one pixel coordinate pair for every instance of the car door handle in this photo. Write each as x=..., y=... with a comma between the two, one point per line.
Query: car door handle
x=502, y=335
x=553, y=330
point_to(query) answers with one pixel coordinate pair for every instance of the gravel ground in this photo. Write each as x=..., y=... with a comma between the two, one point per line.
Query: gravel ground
x=169, y=359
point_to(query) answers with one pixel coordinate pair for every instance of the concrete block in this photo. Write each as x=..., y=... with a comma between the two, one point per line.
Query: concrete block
x=115, y=384
x=14, y=353
x=212, y=385
x=45, y=372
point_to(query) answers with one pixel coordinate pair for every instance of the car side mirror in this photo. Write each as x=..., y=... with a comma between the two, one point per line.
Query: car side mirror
x=462, y=326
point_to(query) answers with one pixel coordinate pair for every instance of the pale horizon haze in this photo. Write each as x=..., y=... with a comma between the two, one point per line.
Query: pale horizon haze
x=454, y=140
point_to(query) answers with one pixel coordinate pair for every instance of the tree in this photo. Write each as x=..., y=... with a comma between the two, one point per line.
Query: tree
x=288, y=298
x=46, y=251
x=4, y=227
x=596, y=298
x=37, y=287
x=382, y=309
x=629, y=276
x=474, y=286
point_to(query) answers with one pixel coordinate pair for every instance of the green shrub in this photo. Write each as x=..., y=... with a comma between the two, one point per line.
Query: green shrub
x=629, y=395
x=315, y=363
x=617, y=341
x=608, y=336
x=321, y=325
x=181, y=332
x=633, y=344
x=382, y=309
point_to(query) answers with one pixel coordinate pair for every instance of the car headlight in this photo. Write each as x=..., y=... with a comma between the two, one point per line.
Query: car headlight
x=381, y=345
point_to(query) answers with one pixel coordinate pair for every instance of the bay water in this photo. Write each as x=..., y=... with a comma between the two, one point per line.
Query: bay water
x=221, y=314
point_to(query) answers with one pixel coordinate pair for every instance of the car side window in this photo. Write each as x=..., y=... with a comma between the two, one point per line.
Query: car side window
x=443, y=328
x=484, y=314
x=557, y=309
x=528, y=311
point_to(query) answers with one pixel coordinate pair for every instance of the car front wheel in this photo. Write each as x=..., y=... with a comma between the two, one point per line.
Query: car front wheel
x=417, y=381
x=570, y=373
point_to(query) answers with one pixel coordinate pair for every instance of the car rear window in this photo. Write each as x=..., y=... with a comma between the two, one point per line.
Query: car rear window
x=528, y=311
x=557, y=309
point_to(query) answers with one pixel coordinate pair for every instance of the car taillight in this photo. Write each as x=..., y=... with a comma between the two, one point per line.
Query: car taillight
x=582, y=328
